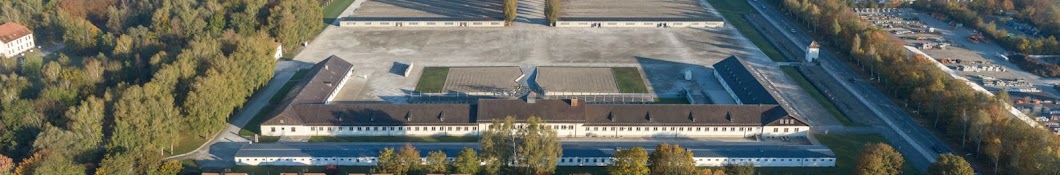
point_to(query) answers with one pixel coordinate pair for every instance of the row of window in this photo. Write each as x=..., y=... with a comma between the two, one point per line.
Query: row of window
x=632, y=23
x=723, y=129
x=384, y=128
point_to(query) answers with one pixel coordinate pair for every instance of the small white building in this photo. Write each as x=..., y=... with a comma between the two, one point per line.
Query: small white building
x=813, y=51
x=15, y=39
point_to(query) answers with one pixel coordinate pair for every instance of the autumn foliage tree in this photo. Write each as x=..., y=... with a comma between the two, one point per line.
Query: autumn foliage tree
x=671, y=159
x=633, y=161
x=879, y=159
x=949, y=164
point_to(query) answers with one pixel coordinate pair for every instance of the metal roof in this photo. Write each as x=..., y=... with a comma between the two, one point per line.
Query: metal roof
x=570, y=149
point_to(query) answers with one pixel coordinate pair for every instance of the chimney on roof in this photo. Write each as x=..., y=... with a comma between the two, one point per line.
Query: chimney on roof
x=611, y=116
x=575, y=102
x=531, y=98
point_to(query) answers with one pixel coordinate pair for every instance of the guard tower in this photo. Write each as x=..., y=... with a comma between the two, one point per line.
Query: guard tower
x=812, y=52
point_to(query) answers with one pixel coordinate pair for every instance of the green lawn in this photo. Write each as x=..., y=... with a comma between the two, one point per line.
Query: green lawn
x=734, y=12
x=393, y=139
x=333, y=10
x=847, y=148
x=187, y=143
x=629, y=80
x=432, y=80
x=254, y=125
x=820, y=98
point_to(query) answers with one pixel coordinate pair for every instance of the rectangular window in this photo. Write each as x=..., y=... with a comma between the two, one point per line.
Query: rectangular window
x=785, y=129
x=273, y=129
x=775, y=129
x=292, y=129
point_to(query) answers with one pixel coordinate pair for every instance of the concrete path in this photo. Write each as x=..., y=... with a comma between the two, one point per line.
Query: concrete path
x=219, y=150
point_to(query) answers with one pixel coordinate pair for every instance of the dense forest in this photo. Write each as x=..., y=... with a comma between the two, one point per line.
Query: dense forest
x=135, y=78
x=1042, y=13
x=974, y=122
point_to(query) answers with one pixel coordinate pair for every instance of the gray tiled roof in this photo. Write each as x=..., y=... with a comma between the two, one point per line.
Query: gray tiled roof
x=306, y=106
x=747, y=88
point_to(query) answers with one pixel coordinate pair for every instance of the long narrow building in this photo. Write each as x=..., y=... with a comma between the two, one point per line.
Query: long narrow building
x=309, y=112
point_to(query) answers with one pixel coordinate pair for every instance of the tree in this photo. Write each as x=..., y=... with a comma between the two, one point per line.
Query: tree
x=879, y=159
x=741, y=169
x=498, y=144
x=510, y=10
x=632, y=161
x=293, y=22
x=467, y=162
x=408, y=160
x=170, y=167
x=708, y=171
x=6, y=164
x=671, y=160
x=949, y=164
x=437, y=162
x=552, y=8
x=386, y=161
x=539, y=150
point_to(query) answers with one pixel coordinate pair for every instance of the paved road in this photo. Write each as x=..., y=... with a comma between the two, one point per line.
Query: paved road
x=904, y=132
x=224, y=145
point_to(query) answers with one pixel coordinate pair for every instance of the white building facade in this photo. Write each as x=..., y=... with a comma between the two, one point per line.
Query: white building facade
x=15, y=39
x=575, y=154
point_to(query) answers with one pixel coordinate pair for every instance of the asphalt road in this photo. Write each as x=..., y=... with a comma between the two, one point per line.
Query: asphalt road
x=905, y=133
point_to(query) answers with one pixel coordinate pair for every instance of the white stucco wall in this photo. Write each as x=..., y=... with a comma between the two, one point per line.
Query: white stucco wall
x=17, y=46
x=700, y=24
x=562, y=130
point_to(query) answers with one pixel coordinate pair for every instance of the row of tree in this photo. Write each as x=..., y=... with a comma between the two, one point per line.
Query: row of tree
x=976, y=121
x=135, y=79
x=1043, y=13
x=1036, y=66
x=552, y=8
x=882, y=159
x=666, y=159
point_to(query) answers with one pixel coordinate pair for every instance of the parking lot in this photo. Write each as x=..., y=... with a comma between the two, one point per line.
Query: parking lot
x=960, y=49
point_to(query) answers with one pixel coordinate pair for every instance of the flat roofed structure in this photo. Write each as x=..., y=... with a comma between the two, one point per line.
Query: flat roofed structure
x=596, y=80
x=426, y=13
x=636, y=13
x=482, y=80
x=574, y=153
x=738, y=79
